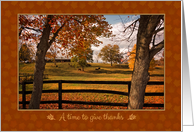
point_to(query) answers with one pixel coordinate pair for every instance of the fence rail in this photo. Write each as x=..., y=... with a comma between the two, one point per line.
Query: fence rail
x=60, y=91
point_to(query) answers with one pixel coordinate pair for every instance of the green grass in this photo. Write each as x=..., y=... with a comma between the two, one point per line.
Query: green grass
x=106, y=73
x=26, y=68
x=65, y=72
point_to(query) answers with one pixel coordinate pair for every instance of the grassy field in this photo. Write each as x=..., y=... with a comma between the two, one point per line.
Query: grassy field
x=106, y=73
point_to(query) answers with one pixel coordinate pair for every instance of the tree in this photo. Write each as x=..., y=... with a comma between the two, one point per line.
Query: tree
x=53, y=51
x=76, y=62
x=110, y=53
x=24, y=53
x=149, y=26
x=132, y=60
x=161, y=61
x=132, y=56
x=81, y=56
x=67, y=30
x=96, y=57
x=119, y=58
x=152, y=64
x=89, y=56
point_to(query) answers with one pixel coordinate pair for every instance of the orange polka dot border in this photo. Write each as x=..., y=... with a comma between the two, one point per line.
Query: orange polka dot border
x=166, y=120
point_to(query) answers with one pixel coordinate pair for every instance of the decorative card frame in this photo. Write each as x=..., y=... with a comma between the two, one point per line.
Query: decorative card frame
x=144, y=120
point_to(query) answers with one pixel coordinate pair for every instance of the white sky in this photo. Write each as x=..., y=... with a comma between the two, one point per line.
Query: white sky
x=118, y=28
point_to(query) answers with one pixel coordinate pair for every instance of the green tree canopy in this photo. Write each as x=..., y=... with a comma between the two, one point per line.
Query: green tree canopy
x=79, y=62
x=110, y=53
x=82, y=55
x=89, y=56
x=24, y=53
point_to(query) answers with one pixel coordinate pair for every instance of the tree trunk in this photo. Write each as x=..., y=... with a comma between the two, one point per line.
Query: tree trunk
x=42, y=48
x=82, y=68
x=55, y=62
x=111, y=63
x=140, y=77
x=38, y=79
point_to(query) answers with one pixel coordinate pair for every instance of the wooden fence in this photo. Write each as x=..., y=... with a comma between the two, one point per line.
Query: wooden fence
x=60, y=91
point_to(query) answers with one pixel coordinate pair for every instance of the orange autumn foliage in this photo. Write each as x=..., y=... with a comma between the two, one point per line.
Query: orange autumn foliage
x=132, y=56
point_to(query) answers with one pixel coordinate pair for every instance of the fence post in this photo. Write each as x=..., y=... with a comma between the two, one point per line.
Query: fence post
x=24, y=95
x=60, y=94
x=129, y=87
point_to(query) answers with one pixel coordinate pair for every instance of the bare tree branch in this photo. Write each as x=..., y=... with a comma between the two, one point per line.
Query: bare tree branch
x=21, y=29
x=122, y=21
x=55, y=34
x=162, y=17
x=156, y=49
x=158, y=30
x=37, y=30
x=132, y=30
x=131, y=24
x=153, y=43
x=78, y=21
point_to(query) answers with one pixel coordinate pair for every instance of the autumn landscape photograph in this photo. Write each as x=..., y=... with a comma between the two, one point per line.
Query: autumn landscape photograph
x=91, y=62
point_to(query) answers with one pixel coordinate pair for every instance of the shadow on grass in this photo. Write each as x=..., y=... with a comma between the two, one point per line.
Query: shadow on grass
x=100, y=71
x=123, y=66
x=65, y=70
x=71, y=74
x=90, y=71
x=157, y=75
